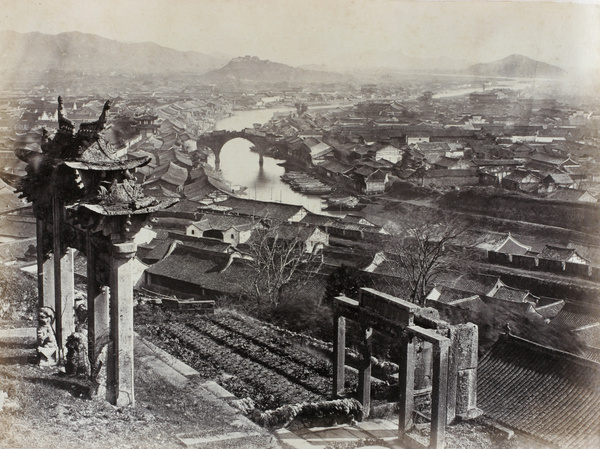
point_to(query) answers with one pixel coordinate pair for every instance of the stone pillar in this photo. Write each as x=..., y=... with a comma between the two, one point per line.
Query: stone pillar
x=465, y=353
x=64, y=295
x=64, y=282
x=120, y=355
x=339, y=354
x=406, y=384
x=423, y=366
x=438, y=395
x=364, y=373
x=97, y=303
x=48, y=283
x=45, y=270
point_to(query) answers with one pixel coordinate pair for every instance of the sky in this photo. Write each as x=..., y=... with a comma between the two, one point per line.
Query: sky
x=298, y=32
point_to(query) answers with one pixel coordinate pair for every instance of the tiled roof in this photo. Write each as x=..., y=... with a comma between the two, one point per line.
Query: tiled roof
x=573, y=319
x=203, y=268
x=572, y=195
x=432, y=146
x=549, y=307
x=559, y=178
x=445, y=173
x=512, y=294
x=546, y=393
x=335, y=166
x=480, y=284
x=224, y=222
x=513, y=246
x=556, y=253
x=520, y=175
x=317, y=220
x=175, y=175
x=263, y=209
x=590, y=336
x=450, y=295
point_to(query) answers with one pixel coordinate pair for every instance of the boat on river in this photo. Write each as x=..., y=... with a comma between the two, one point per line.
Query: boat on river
x=305, y=183
x=215, y=178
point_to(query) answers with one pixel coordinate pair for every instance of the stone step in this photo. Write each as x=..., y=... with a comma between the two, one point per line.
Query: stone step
x=190, y=440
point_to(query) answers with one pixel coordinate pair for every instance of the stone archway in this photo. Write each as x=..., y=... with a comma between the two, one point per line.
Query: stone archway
x=453, y=358
x=84, y=197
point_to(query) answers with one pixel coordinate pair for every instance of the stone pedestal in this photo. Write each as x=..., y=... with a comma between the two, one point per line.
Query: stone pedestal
x=120, y=351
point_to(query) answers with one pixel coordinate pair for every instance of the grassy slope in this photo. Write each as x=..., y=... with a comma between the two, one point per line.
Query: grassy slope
x=53, y=410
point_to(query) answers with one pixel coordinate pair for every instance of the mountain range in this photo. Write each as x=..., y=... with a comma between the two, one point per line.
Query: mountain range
x=515, y=66
x=89, y=53
x=251, y=69
x=82, y=52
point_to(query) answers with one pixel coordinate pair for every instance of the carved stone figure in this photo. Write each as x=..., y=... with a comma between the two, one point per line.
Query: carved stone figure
x=81, y=323
x=47, y=349
x=78, y=363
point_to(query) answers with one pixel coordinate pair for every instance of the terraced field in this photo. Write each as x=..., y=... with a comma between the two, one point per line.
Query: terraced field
x=248, y=360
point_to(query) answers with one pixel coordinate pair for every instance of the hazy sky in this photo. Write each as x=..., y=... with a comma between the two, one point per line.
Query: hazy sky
x=317, y=31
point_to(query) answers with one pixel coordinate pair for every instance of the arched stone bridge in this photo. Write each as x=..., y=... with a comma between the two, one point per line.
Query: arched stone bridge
x=216, y=139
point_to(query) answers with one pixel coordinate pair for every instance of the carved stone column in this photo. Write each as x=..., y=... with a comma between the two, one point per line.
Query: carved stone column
x=120, y=354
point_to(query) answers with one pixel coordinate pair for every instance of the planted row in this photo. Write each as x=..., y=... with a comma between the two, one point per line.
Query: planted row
x=275, y=343
x=297, y=373
x=268, y=388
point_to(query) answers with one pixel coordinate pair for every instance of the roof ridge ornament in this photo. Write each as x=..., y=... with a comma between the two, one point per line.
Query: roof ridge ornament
x=64, y=124
x=92, y=129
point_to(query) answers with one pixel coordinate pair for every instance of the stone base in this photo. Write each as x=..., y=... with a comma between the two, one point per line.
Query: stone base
x=471, y=414
x=47, y=357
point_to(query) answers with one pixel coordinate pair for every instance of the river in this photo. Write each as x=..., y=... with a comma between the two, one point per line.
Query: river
x=239, y=165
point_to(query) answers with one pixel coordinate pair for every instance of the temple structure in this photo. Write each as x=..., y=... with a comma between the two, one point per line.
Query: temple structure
x=85, y=198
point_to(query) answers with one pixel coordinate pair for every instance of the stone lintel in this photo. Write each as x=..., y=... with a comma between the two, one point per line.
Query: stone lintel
x=430, y=336
x=344, y=300
x=389, y=306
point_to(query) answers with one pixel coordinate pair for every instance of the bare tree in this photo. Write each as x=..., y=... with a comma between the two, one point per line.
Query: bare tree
x=423, y=254
x=281, y=259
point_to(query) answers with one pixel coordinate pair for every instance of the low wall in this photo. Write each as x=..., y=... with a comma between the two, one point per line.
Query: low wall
x=545, y=265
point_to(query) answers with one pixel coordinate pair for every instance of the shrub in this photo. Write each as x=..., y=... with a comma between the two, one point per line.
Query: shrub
x=18, y=294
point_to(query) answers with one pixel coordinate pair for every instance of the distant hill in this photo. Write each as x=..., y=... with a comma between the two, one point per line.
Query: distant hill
x=515, y=66
x=89, y=53
x=251, y=69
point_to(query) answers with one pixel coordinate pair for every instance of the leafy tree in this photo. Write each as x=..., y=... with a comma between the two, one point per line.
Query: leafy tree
x=301, y=108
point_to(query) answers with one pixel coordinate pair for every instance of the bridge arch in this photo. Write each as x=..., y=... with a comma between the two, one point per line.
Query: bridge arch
x=217, y=139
